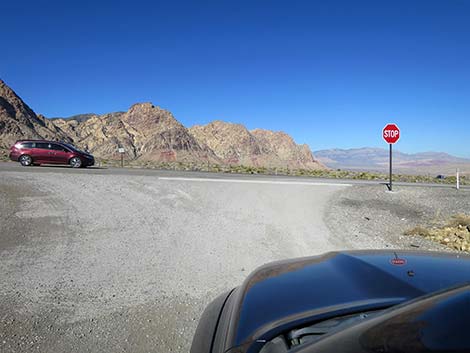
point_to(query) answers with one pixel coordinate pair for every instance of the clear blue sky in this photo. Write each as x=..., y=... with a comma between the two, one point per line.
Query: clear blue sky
x=330, y=73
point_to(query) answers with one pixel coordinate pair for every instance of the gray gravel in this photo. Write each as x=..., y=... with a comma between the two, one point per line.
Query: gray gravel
x=127, y=263
x=103, y=262
x=371, y=217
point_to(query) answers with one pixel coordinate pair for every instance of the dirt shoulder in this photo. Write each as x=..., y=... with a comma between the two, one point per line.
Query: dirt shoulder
x=370, y=217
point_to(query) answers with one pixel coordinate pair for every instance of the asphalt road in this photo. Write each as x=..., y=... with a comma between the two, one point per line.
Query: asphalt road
x=111, y=260
x=16, y=167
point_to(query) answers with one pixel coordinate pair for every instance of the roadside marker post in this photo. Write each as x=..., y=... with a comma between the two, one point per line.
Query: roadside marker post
x=391, y=134
x=121, y=150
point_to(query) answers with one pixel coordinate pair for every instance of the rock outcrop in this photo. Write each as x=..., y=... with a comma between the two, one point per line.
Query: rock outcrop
x=149, y=133
x=283, y=150
x=18, y=121
x=232, y=143
x=146, y=132
x=235, y=145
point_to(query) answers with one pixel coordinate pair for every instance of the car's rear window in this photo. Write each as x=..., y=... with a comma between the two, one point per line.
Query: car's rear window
x=27, y=145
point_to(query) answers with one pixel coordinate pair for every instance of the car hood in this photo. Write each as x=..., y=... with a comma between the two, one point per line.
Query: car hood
x=434, y=323
x=295, y=291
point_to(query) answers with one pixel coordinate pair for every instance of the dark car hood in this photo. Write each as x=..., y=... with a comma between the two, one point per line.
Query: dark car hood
x=435, y=323
x=338, y=282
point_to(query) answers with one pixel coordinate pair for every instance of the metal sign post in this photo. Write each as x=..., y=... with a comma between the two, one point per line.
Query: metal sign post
x=121, y=150
x=391, y=134
x=390, y=169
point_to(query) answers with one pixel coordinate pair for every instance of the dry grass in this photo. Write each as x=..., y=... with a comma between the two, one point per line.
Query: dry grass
x=455, y=234
x=459, y=220
x=418, y=230
x=4, y=155
x=330, y=173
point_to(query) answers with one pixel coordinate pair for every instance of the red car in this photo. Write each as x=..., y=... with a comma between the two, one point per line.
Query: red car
x=36, y=152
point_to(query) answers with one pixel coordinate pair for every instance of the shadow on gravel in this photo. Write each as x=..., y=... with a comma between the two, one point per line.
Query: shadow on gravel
x=395, y=208
x=55, y=166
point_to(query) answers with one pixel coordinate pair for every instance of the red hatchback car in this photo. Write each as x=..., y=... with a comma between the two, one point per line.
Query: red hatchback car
x=36, y=152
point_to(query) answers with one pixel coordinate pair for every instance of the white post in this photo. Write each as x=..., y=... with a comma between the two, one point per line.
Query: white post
x=458, y=179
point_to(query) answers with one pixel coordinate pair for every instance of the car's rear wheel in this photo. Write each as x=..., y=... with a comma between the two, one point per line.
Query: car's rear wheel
x=26, y=160
x=75, y=162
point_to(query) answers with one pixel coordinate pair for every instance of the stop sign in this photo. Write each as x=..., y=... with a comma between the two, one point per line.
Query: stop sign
x=391, y=133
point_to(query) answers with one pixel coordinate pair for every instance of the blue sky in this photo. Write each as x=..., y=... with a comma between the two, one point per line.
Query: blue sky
x=330, y=73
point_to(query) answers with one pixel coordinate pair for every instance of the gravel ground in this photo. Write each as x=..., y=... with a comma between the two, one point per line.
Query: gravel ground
x=371, y=217
x=127, y=263
x=122, y=262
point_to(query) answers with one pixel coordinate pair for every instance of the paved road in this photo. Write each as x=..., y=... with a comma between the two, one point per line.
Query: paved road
x=16, y=167
x=111, y=260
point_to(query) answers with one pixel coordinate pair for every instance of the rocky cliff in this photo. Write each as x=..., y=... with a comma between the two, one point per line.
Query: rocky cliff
x=18, y=121
x=235, y=144
x=149, y=133
x=285, y=151
x=145, y=131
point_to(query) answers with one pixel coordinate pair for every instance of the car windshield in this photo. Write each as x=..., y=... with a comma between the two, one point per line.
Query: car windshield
x=312, y=333
x=73, y=148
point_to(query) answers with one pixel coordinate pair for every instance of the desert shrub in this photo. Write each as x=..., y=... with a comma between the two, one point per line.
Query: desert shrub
x=462, y=220
x=418, y=230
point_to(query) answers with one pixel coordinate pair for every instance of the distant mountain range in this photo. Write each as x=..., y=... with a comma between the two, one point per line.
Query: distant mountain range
x=377, y=159
x=149, y=133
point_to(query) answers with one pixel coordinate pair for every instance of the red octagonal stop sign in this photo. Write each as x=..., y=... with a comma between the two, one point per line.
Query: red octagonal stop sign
x=391, y=133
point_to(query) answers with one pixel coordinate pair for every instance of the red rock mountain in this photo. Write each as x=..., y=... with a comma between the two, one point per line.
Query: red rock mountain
x=149, y=133
x=234, y=144
x=18, y=121
x=145, y=131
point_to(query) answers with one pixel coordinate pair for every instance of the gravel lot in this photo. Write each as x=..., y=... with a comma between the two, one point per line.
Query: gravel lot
x=365, y=216
x=127, y=263
x=96, y=262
